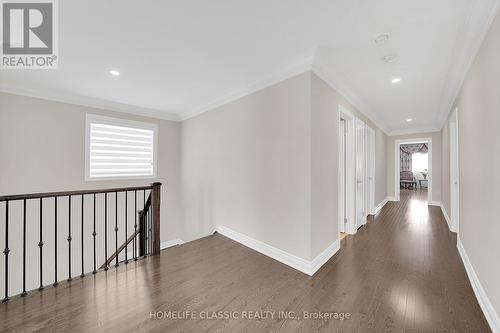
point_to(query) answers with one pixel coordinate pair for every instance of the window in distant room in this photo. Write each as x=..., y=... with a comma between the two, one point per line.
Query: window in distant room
x=419, y=162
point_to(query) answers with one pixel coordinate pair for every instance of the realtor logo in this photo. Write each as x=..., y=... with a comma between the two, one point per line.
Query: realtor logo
x=29, y=34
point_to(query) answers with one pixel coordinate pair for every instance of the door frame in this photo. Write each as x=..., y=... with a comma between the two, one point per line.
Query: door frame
x=397, y=166
x=454, y=165
x=370, y=165
x=350, y=169
x=364, y=216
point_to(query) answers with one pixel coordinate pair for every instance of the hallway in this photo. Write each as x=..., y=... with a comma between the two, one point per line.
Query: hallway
x=401, y=272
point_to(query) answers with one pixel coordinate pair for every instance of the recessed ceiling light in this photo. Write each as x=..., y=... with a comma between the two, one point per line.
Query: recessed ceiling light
x=381, y=39
x=396, y=80
x=389, y=58
x=114, y=72
x=409, y=120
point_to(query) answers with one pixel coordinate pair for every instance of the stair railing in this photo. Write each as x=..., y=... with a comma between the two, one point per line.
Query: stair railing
x=144, y=234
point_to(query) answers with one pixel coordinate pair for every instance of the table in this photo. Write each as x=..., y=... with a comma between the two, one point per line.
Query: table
x=426, y=181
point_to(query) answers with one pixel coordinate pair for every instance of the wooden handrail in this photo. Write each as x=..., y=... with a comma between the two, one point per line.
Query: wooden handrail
x=149, y=230
x=67, y=193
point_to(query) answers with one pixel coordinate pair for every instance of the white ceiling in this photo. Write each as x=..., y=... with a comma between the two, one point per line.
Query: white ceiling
x=180, y=58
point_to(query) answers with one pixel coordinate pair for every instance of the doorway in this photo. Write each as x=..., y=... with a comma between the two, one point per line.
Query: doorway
x=370, y=171
x=360, y=174
x=413, y=167
x=342, y=178
x=346, y=169
x=454, y=172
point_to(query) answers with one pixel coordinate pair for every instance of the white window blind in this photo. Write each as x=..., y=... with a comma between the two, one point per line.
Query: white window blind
x=120, y=149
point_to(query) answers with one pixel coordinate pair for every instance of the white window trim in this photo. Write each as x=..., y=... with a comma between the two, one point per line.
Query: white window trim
x=89, y=118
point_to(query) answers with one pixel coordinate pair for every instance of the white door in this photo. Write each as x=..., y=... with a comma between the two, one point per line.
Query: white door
x=454, y=174
x=343, y=176
x=360, y=175
x=370, y=171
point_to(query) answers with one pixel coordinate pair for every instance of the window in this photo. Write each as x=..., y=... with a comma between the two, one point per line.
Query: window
x=419, y=162
x=119, y=149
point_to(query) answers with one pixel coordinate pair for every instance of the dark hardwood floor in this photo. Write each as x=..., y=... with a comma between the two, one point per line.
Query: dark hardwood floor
x=401, y=272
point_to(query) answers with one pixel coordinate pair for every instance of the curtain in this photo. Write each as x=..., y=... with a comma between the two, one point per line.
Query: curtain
x=406, y=151
x=405, y=161
x=415, y=148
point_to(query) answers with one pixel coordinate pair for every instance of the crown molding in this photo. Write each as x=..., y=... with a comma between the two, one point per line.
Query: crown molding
x=91, y=102
x=339, y=84
x=470, y=37
x=290, y=71
x=409, y=131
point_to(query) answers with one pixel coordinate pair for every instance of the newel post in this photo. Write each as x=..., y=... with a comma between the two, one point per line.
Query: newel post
x=155, y=203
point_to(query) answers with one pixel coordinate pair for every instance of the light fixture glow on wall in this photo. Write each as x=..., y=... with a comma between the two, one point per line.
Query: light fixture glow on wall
x=114, y=72
x=409, y=120
x=396, y=80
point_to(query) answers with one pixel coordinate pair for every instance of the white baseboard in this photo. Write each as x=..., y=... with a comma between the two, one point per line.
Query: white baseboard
x=445, y=213
x=300, y=264
x=446, y=217
x=482, y=297
x=392, y=199
x=171, y=243
x=380, y=206
x=324, y=256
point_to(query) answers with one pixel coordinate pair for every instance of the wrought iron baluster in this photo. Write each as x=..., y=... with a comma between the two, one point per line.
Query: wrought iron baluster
x=106, y=231
x=126, y=229
x=24, y=249
x=40, y=245
x=55, y=242
x=83, y=209
x=116, y=228
x=134, y=244
x=69, y=238
x=150, y=216
x=6, y=252
x=93, y=235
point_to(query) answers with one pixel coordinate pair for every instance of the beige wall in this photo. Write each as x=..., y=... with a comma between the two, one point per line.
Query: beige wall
x=479, y=147
x=266, y=166
x=246, y=166
x=325, y=103
x=42, y=149
x=436, y=162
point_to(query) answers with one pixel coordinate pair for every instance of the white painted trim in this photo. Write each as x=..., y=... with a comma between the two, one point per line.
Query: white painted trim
x=286, y=73
x=446, y=217
x=350, y=169
x=454, y=168
x=397, y=165
x=324, y=256
x=380, y=206
x=340, y=87
x=434, y=203
x=482, y=298
x=286, y=258
x=362, y=218
x=392, y=199
x=170, y=243
x=470, y=37
x=413, y=131
x=91, y=102
x=300, y=264
x=370, y=197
